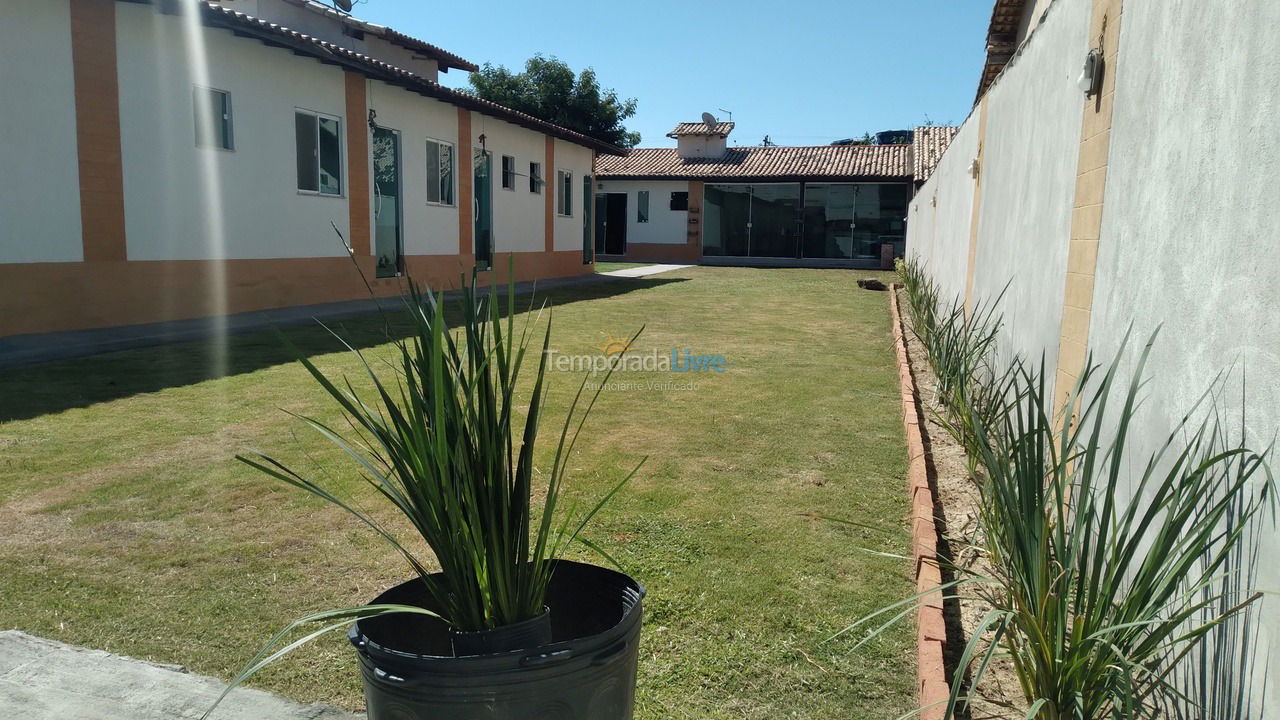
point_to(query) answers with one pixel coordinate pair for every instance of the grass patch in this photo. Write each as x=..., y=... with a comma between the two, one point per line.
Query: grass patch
x=126, y=524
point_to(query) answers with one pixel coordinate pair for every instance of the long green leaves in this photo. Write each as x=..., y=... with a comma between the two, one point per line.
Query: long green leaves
x=437, y=436
x=439, y=439
x=1107, y=569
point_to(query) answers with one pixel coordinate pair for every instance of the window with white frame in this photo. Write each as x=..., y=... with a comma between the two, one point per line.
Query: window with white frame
x=319, y=146
x=564, y=181
x=439, y=172
x=508, y=172
x=642, y=206
x=213, y=118
x=535, y=177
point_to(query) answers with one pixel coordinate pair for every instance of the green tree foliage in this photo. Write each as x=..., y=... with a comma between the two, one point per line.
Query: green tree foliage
x=548, y=90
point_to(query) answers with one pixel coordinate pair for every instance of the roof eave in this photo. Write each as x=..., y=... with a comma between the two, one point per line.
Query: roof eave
x=756, y=178
x=274, y=34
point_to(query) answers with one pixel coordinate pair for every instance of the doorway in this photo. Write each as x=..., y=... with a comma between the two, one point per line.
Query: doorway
x=387, y=232
x=611, y=224
x=482, y=206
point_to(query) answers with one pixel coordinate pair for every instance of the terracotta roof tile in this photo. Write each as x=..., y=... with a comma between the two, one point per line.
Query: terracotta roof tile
x=927, y=147
x=445, y=58
x=832, y=162
x=1002, y=40
x=216, y=15
x=696, y=128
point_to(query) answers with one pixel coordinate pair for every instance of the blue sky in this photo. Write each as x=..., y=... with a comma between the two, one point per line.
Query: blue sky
x=805, y=72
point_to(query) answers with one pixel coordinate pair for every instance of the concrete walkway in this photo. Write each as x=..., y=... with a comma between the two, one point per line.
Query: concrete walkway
x=643, y=271
x=20, y=350
x=45, y=680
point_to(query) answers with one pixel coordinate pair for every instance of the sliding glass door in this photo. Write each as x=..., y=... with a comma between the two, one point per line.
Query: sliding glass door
x=833, y=221
x=751, y=220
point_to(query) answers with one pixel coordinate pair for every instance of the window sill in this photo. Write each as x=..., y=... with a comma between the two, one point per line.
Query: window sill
x=312, y=193
x=440, y=205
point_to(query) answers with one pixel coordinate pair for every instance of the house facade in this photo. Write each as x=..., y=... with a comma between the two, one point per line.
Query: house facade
x=180, y=158
x=706, y=202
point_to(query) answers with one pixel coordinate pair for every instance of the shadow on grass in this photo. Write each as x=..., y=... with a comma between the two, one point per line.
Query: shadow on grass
x=34, y=390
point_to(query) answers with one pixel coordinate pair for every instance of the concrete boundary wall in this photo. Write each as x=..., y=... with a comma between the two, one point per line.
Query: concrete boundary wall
x=1151, y=205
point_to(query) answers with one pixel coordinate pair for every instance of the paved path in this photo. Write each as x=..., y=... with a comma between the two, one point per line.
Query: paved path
x=45, y=680
x=643, y=270
x=20, y=350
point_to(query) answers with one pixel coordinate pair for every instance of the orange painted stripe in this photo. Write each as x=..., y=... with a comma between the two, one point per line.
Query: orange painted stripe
x=97, y=96
x=358, y=198
x=549, y=190
x=466, y=177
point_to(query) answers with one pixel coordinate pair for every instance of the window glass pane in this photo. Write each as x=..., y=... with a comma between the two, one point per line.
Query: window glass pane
x=566, y=192
x=446, y=174
x=213, y=118
x=726, y=220
x=508, y=172
x=679, y=201
x=535, y=177
x=308, y=167
x=433, y=172
x=222, y=101
x=642, y=206
x=330, y=157
x=775, y=210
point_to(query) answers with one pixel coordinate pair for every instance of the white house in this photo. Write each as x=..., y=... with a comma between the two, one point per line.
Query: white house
x=704, y=201
x=184, y=158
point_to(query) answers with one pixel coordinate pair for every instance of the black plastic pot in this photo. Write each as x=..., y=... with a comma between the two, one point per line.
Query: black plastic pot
x=586, y=672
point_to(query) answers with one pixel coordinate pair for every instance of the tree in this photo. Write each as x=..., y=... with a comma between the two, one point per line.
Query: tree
x=548, y=90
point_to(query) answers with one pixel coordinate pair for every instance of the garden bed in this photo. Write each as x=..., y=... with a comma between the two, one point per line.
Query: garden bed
x=957, y=501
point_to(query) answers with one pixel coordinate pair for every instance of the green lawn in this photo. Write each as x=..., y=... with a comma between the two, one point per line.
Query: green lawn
x=126, y=524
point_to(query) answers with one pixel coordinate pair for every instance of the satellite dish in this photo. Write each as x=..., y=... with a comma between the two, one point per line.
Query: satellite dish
x=344, y=5
x=709, y=120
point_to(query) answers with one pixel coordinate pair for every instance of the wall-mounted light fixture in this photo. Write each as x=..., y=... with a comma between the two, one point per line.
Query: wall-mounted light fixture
x=973, y=169
x=1090, y=81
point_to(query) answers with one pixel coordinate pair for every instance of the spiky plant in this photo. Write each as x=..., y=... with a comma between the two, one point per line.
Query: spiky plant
x=439, y=437
x=1102, y=582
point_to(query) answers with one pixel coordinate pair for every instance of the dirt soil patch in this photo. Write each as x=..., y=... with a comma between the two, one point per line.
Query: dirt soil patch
x=958, y=499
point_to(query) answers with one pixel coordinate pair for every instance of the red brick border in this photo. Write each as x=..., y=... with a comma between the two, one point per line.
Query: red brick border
x=931, y=637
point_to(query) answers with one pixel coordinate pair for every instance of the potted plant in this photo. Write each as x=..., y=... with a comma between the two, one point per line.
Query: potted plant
x=505, y=628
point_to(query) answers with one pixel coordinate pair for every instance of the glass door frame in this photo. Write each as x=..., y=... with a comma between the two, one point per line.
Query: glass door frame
x=399, y=198
x=482, y=157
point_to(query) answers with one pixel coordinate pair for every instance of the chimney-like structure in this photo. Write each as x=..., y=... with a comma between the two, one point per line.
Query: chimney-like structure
x=696, y=140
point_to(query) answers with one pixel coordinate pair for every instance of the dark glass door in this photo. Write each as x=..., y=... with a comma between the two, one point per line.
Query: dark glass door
x=775, y=221
x=483, y=208
x=588, y=199
x=615, y=224
x=602, y=211
x=387, y=239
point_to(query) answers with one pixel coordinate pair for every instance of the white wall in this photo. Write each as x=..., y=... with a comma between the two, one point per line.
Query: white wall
x=518, y=215
x=186, y=203
x=40, y=182
x=701, y=146
x=1189, y=228
x=938, y=226
x=576, y=159
x=1032, y=144
x=428, y=228
x=1188, y=231
x=665, y=226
